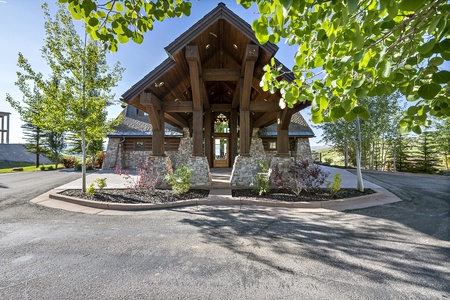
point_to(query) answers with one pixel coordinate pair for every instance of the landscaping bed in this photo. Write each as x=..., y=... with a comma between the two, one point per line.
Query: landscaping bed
x=289, y=196
x=137, y=196
x=166, y=196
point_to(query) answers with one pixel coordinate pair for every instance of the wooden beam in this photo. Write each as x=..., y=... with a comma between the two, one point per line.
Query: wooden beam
x=265, y=119
x=150, y=99
x=176, y=119
x=193, y=59
x=221, y=74
x=237, y=94
x=151, y=110
x=244, y=133
x=248, y=67
x=158, y=136
x=197, y=133
x=179, y=106
x=205, y=98
x=263, y=106
x=221, y=107
x=284, y=118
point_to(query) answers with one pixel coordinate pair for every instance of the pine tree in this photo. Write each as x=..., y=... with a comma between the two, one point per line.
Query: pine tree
x=34, y=139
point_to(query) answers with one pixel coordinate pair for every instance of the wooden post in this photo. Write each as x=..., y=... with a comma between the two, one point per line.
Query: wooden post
x=233, y=134
x=208, y=139
x=248, y=67
x=282, y=138
x=193, y=59
x=153, y=108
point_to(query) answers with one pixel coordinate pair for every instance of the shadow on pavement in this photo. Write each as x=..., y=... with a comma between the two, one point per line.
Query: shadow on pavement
x=336, y=246
x=425, y=204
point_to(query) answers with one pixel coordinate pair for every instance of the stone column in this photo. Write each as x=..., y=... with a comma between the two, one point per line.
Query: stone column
x=283, y=164
x=303, y=149
x=113, y=156
x=245, y=168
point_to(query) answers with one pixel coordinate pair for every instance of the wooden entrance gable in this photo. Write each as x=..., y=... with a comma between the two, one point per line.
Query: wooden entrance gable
x=215, y=66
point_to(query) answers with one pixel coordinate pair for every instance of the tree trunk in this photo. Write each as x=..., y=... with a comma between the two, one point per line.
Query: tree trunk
x=346, y=153
x=360, y=183
x=372, y=163
x=83, y=165
x=394, y=163
x=38, y=138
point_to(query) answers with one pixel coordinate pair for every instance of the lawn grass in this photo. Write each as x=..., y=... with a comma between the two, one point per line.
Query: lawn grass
x=7, y=166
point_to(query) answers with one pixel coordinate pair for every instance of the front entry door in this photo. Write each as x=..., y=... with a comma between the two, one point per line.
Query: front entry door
x=221, y=155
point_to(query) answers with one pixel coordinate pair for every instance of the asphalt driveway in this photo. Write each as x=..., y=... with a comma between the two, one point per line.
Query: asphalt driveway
x=396, y=251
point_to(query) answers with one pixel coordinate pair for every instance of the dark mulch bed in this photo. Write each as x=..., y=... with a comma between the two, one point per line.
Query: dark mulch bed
x=138, y=196
x=286, y=195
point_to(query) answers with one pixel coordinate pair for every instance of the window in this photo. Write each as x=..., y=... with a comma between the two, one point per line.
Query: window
x=139, y=146
x=272, y=145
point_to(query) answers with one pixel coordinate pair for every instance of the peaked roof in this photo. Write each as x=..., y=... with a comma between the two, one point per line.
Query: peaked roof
x=139, y=126
x=297, y=128
x=221, y=12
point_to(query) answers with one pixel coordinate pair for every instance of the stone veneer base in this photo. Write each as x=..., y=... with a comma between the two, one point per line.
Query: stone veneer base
x=201, y=175
x=284, y=164
x=245, y=169
x=159, y=167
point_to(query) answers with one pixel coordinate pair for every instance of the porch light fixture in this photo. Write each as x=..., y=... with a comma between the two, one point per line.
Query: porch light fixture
x=235, y=46
x=221, y=119
x=159, y=84
x=207, y=46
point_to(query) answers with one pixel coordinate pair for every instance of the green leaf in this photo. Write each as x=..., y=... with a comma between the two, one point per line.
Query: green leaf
x=119, y=7
x=122, y=38
x=411, y=5
x=93, y=22
x=352, y=6
x=337, y=112
x=436, y=61
x=416, y=129
x=427, y=47
x=137, y=38
x=350, y=116
x=441, y=77
x=429, y=91
x=411, y=111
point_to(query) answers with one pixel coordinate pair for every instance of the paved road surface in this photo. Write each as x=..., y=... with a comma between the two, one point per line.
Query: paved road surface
x=223, y=253
x=19, y=188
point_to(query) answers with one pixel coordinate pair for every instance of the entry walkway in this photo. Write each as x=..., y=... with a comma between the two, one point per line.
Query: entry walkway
x=220, y=185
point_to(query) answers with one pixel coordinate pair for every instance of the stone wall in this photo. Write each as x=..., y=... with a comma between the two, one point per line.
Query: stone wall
x=201, y=175
x=184, y=150
x=245, y=168
x=283, y=164
x=160, y=166
x=303, y=149
x=113, y=155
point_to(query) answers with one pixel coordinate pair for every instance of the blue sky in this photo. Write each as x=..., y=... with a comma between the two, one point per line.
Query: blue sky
x=22, y=30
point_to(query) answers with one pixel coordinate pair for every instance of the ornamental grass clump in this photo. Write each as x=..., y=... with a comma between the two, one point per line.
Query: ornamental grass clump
x=180, y=180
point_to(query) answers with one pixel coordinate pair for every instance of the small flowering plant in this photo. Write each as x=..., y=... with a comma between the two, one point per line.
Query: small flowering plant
x=143, y=180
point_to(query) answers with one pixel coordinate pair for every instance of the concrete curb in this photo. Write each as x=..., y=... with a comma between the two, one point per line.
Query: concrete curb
x=380, y=197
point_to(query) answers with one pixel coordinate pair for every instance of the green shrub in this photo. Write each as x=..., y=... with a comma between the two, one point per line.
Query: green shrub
x=42, y=168
x=78, y=167
x=262, y=179
x=90, y=189
x=89, y=167
x=335, y=185
x=50, y=168
x=180, y=180
x=101, y=183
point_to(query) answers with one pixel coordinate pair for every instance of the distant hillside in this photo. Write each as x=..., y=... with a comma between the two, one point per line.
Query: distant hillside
x=17, y=153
